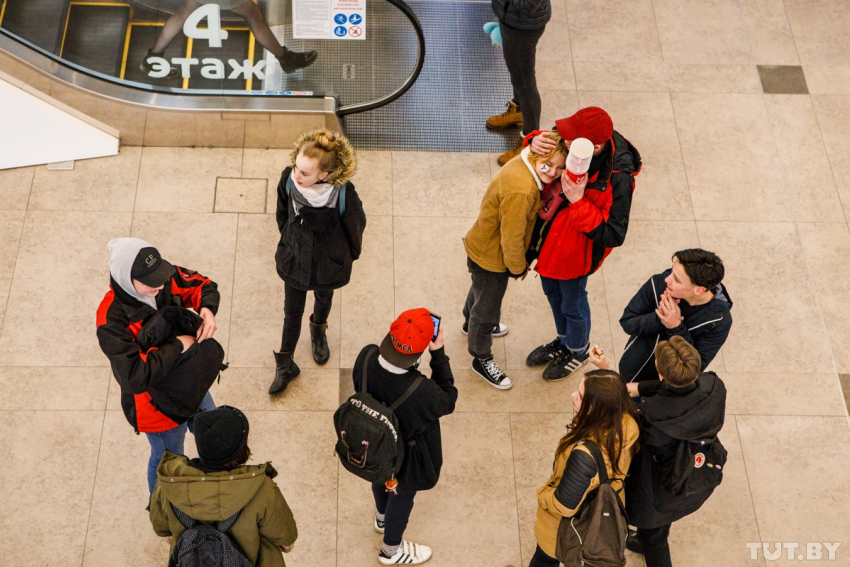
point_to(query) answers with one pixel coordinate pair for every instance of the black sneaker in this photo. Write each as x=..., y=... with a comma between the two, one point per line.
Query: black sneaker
x=633, y=544
x=490, y=371
x=544, y=354
x=564, y=365
x=500, y=330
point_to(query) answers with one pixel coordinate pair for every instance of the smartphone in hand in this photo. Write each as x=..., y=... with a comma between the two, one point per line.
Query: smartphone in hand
x=436, y=319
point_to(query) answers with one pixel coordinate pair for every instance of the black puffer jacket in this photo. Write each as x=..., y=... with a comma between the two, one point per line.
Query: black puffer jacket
x=318, y=246
x=668, y=414
x=523, y=14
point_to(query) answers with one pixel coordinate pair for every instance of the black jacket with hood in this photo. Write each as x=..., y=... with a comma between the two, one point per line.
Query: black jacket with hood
x=523, y=14
x=705, y=327
x=669, y=414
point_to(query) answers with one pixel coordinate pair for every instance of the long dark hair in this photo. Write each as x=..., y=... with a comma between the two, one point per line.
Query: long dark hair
x=600, y=417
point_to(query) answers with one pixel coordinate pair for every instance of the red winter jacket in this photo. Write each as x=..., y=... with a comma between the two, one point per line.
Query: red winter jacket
x=581, y=235
x=119, y=319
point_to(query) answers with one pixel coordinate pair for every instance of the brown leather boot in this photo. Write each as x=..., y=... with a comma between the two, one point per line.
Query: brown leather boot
x=510, y=154
x=510, y=117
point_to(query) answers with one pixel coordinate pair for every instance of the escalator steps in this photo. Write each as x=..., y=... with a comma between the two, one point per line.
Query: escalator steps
x=95, y=37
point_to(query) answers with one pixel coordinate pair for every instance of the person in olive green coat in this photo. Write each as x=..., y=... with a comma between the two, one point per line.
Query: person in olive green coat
x=218, y=484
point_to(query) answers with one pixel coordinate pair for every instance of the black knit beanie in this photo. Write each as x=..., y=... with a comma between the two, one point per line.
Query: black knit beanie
x=219, y=435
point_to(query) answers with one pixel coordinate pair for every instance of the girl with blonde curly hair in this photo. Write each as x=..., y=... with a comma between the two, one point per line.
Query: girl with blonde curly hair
x=321, y=222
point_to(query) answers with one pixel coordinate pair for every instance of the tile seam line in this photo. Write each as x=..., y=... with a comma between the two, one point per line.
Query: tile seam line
x=93, y=486
x=682, y=157
x=14, y=269
x=232, y=285
x=749, y=486
x=657, y=32
x=826, y=152
x=516, y=488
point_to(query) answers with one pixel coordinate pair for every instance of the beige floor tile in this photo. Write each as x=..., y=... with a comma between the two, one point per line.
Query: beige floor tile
x=770, y=34
x=258, y=302
x=430, y=272
x=779, y=454
x=449, y=184
x=193, y=170
x=211, y=252
x=51, y=388
x=559, y=76
x=80, y=276
x=267, y=164
x=803, y=159
x=374, y=182
x=726, y=517
x=15, y=185
x=667, y=77
x=11, y=226
x=247, y=389
x=106, y=184
x=648, y=249
x=367, y=303
x=708, y=32
x=554, y=44
x=466, y=522
x=781, y=394
x=824, y=245
x=833, y=116
x=241, y=195
x=827, y=79
x=821, y=30
x=753, y=254
x=300, y=446
x=647, y=121
x=556, y=105
x=529, y=394
x=726, y=139
x=621, y=24
x=119, y=528
x=55, y=458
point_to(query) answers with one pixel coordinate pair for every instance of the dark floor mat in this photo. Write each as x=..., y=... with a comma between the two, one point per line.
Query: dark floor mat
x=463, y=81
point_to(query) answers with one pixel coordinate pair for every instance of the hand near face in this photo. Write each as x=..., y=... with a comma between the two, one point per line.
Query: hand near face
x=541, y=144
x=668, y=311
x=574, y=192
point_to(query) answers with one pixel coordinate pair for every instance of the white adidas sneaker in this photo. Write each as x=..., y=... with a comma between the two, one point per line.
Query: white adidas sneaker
x=408, y=553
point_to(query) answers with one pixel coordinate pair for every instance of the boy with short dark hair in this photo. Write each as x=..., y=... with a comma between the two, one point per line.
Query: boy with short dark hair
x=688, y=300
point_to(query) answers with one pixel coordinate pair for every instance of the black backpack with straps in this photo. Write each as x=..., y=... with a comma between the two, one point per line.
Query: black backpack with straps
x=369, y=441
x=206, y=545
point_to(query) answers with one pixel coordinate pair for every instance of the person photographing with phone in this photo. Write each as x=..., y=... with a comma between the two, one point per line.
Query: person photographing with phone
x=392, y=369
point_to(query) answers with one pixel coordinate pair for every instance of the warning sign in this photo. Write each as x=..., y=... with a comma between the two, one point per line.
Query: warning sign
x=329, y=19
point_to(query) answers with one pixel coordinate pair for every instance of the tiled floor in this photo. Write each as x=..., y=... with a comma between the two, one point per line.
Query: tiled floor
x=758, y=178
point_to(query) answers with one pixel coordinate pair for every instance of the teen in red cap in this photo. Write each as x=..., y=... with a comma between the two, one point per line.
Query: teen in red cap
x=392, y=368
x=572, y=239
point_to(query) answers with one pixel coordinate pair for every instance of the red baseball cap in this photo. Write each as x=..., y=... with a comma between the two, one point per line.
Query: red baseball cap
x=408, y=338
x=592, y=123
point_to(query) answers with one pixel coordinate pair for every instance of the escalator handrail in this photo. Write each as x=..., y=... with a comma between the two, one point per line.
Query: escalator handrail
x=420, y=62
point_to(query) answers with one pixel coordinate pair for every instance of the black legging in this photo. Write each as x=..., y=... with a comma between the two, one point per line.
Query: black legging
x=520, y=51
x=293, y=312
x=540, y=559
x=656, y=550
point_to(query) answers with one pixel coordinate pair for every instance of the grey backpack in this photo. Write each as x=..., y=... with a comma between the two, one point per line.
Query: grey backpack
x=596, y=535
x=207, y=545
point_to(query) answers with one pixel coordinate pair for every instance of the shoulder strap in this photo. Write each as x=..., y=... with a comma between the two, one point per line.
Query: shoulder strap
x=364, y=382
x=600, y=461
x=342, y=200
x=224, y=525
x=183, y=518
x=407, y=393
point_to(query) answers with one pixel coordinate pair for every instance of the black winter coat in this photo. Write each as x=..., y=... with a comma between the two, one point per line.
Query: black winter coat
x=317, y=247
x=706, y=327
x=668, y=414
x=523, y=14
x=419, y=415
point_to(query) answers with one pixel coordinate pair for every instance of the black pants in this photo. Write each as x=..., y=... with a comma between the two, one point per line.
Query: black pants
x=293, y=312
x=656, y=551
x=540, y=559
x=520, y=51
x=396, y=509
x=483, y=307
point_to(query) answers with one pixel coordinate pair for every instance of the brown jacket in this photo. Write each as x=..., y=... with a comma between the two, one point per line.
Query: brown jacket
x=265, y=523
x=500, y=237
x=550, y=510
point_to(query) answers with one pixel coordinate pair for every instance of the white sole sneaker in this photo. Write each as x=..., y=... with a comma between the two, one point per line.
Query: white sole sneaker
x=503, y=330
x=505, y=384
x=378, y=529
x=408, y=553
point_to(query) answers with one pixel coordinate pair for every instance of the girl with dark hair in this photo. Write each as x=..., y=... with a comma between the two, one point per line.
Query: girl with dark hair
x=605, y=414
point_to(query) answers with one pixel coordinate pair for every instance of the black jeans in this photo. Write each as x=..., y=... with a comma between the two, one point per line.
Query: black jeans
x=483, y=307
x=396, y=509
x=540, y=559
x=293, y=312
x=656, y=551
x=520, y=51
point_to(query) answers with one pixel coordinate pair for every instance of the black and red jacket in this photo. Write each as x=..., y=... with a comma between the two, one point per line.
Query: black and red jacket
x=119, y=319
x=581, y=235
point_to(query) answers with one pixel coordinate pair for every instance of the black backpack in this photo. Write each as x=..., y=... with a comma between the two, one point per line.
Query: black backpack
x=596, y=535
x=369, y=441
x=206, y=545
x=695, y=468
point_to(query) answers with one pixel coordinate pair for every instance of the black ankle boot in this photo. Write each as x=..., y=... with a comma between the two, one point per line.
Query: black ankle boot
x=147, y=67
x=284, y=373
x=319, y=340
x=291, y=61
x=633, y=544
